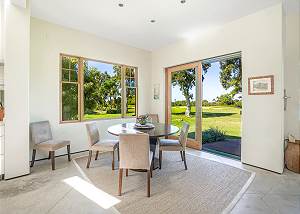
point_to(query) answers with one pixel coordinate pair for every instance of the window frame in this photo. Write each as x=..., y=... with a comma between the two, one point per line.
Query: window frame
x=80, y=86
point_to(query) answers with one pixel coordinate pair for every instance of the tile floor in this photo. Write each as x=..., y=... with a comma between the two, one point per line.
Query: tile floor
x=45, y=192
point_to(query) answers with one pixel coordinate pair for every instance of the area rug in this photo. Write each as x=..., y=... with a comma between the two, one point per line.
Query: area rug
x=206, y=187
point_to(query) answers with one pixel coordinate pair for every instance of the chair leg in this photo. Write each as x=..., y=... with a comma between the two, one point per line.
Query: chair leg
x=118, y=154
x=151, y=169
x=126, y=172
x=52, y=154
x=184, y=159
x=49, y=156
x=148, y=183
x=69, y=152
x=120, y=181
x=89, y=159
x=113, y=161
x=97, y=153
x=181, y=156
x=33, y=158
x=160, y=158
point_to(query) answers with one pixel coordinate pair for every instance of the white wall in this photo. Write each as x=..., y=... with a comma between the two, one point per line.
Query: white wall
x=47, y=42
x=259, y=37
x=291, y=45
x=16, y=80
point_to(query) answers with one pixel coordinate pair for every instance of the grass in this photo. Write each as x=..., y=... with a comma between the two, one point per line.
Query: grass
x=226, y=118
x=104, y=115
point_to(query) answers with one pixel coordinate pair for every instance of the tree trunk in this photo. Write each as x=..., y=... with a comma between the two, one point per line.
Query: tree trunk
x=188, y=106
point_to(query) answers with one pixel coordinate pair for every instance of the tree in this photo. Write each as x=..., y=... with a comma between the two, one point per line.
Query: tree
x=231, y=75
x=186, y=81
x=225, y=99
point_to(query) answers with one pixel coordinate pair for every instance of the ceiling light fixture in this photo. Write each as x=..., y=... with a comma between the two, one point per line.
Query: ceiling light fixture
x=183, y=1
x=152, y=20
x=121, y=5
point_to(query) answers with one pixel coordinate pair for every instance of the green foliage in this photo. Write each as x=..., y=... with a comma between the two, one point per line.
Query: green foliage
x=225, y=99
x=213, y=134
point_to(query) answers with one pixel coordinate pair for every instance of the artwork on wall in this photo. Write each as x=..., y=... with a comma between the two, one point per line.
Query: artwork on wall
x=262, y=85
x=156, y=92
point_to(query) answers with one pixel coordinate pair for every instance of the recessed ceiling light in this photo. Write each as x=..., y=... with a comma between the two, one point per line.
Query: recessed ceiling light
x=152, y=20
x=121, y=5
x=183, y=1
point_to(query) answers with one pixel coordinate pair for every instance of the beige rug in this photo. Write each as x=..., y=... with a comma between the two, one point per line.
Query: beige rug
x=206, y=187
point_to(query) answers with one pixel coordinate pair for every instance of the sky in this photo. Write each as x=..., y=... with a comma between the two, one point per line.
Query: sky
x=211, y=85
x=102, y=66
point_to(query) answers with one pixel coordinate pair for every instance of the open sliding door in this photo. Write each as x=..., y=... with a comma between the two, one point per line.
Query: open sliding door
x=183, y=101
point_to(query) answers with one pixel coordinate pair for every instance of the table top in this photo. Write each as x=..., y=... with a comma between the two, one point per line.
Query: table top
x=159, y=130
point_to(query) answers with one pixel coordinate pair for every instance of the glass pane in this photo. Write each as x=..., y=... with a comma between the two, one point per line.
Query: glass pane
x=69, y=102
x=73, y=75
x=102, y=90
x=183, y=99
x=131, y=102
x=132, y=82
x=65, y=75
x=65, y=62
x=74, y=63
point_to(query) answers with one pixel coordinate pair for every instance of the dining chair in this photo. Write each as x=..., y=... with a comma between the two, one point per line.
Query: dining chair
x=135, y=154
x=175, y=145
x=41, y=137
x=97, y=145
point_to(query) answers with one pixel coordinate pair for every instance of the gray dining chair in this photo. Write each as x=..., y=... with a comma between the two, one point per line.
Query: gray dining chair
x=175, y=145
x=41, y=137
x=97, y=145
x=135, y=154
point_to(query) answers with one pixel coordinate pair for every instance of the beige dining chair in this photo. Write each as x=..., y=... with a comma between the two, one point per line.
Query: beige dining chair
x=135, y=154
x=97, y=145
x=41, y=137
x=154, y=117
x=175, y=145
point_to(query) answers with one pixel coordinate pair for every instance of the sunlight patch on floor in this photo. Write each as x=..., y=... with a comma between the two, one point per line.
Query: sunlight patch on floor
x=91, y=192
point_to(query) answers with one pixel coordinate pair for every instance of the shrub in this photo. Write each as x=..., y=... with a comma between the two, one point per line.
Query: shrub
x=212, y=135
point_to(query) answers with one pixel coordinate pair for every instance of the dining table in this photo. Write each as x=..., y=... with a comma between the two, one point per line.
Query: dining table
x=156, y=131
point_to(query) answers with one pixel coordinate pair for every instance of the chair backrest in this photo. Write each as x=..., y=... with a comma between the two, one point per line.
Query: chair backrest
x=134, y=151
x=93, y=133
x=40, y=132
x=184, y=134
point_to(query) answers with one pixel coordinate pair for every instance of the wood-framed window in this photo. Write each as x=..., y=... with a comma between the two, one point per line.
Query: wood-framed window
x=93, y=89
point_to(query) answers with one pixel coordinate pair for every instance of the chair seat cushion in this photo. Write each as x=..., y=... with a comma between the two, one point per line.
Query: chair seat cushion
x=170, y=145
x=52, y=145
x=105, y=145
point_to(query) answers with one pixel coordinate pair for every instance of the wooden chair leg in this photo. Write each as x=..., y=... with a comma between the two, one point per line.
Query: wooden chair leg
x=49, y=156
x=89, y=159
x=33, y=158
x=97, y=153
x=53, y=159
x=181, y=156
x=120, y=181
x=160, y=158
x=151, y=169
x=184, y=159
x=118, y=154
x=148, y=183
x=69, y=152
x=113, y=161
x=126, y=172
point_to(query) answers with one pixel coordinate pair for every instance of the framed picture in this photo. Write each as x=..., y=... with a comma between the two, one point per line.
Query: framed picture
x=156, y=92
x=261, y=85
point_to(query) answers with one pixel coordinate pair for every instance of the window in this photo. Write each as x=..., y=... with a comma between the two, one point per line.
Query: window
x=93, y=89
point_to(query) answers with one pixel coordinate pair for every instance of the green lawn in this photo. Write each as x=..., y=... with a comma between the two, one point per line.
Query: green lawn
x=226, y=118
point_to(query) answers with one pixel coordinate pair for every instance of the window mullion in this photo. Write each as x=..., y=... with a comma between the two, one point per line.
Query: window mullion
x=123, y=91
x=80, y=89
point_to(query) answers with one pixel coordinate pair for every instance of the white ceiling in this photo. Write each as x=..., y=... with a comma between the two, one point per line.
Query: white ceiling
x=131, y=24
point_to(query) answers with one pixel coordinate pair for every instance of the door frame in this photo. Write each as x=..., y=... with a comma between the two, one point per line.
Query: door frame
x=197, y=142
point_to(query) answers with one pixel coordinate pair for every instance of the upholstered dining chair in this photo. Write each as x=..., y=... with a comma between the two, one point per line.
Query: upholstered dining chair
x=41, y=137
x=97, y=145
x=175, y=145
x=135, y=154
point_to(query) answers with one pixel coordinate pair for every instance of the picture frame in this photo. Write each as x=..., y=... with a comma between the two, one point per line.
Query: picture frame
x=261, y=85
